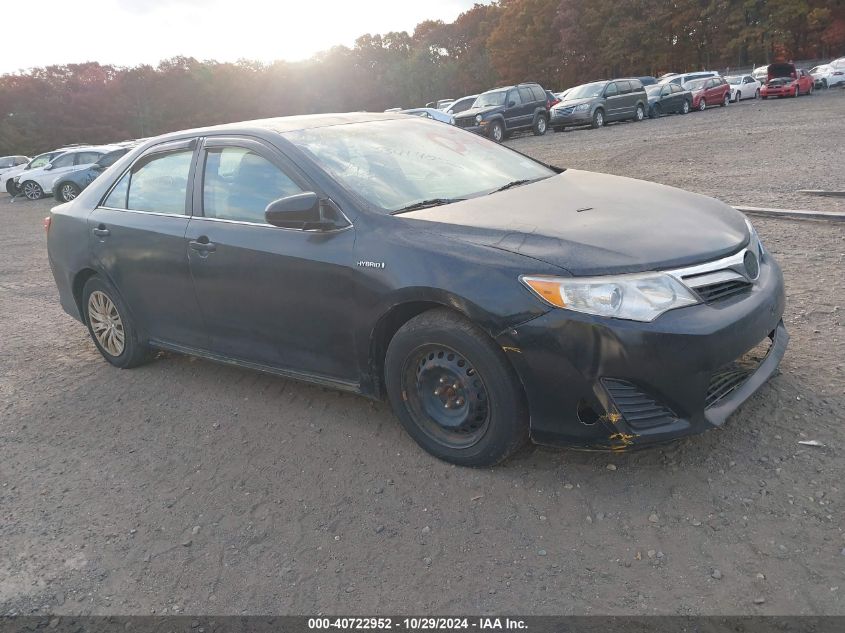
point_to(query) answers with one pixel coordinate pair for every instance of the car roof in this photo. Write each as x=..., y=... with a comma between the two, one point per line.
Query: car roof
x=92, y=148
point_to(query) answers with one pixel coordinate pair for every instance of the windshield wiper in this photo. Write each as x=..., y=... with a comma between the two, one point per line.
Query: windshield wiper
x=425, y=204
x=515, y=183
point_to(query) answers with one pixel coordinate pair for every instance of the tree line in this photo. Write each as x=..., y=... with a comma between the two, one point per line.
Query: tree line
x=558, y=43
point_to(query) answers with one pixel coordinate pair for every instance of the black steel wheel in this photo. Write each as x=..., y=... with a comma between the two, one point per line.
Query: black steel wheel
x=454, y=390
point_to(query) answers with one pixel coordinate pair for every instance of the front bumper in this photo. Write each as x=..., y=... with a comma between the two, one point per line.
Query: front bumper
x=588, y=379
x=563, y=117
x=779, y=91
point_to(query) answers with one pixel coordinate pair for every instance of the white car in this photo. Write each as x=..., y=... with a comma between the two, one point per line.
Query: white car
x=431, y=113
x=36, y=183
x=683, y=79
x=761, y=73
x=7, y=179
x=743, y=87
x=827, y=76
x=8, y=163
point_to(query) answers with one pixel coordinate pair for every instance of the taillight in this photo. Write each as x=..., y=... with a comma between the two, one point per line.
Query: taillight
x=47, y=222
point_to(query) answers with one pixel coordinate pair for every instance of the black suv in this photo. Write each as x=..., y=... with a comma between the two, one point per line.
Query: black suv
x=497, y=113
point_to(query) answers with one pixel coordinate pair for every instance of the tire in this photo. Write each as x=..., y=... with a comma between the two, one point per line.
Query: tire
x=797, y=92
x=639, y=113
x=824, y=83
x=686, y=107
x=598, y=119
x=32, y=190
x=738, y=96
x=497, y=131
x=654, y=111
x=439, y=358
x=725, y=101
x=540, y=125
x=757, y=94
x=67, y=191
x=103, y=307
x=10, y=188
x=810, y=91
x=702, y=105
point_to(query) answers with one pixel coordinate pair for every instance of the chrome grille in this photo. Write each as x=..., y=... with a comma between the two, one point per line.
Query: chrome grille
x=721, y=279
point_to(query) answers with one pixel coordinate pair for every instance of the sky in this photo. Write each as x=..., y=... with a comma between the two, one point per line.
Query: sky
x=130, y=32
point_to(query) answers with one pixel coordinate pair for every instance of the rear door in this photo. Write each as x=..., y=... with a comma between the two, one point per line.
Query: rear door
x=612, y=101
x=529, y=103
x=270, y=296
x=137, y=237
x=514, y=112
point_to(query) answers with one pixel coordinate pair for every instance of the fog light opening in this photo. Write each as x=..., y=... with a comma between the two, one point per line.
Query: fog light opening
x=586, y=414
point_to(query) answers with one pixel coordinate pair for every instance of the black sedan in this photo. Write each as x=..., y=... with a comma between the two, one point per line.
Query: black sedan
x=668, y=98
x=489, y=297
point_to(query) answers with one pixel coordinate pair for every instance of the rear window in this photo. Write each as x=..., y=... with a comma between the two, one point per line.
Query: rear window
x=526, y=95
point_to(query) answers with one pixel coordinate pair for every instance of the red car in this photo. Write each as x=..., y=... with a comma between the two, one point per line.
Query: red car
x=709, y=92
x=785, y=80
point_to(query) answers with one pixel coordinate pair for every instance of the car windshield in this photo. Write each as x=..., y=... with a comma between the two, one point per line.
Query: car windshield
x=490, y=99
x=696, y=84
x=587, y=91
x=734, y=81
x=394, y=164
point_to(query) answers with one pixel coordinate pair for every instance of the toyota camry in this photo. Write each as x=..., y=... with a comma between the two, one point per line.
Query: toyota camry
x=491, y=298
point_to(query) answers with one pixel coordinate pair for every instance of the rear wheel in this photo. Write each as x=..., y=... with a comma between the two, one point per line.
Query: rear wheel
x=639, y=113
x=110, y=325
x=686, y=107
x=757, y=94
x=702, y=105
x=540, y=125
x=32, y=190
x=598, y=118
x=497, y=132
x=797, y=92
x=738, y=96
x=654, y=111
x=454, y=391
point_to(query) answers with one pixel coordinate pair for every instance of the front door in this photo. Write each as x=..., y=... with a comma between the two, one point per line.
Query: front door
x=271, y=296
x=138, y=239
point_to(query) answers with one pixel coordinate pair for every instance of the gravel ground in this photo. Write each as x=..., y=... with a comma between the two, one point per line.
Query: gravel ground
x=188, y=487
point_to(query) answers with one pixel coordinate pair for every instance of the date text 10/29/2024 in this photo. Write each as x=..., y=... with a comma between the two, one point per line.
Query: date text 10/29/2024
x=417, y=624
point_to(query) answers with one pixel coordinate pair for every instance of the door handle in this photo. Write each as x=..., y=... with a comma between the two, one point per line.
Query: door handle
x=203, y=245
x=101, y=231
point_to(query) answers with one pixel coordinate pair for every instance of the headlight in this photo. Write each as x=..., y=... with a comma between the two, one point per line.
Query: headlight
x=582, y=107
x=478, y=118
x=755, y=244
x=638, y=297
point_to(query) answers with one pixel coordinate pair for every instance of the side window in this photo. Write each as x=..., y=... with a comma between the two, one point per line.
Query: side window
x=513, y=95
x=22, y=160
x=624, y=87
x=107, y=160
x=676, y=88
x=539, y=93
x=612, y=90
x=526, y=95
x=117, y=197
x=65, y=160
x=86, y=158
x=636, y=85
x=239, y=184
x=156, y=182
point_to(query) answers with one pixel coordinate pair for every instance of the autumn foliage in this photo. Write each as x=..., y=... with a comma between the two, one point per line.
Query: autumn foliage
x=556, y=42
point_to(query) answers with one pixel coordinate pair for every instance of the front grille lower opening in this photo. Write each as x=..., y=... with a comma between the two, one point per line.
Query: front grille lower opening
x=586, y=414
x=732, y=376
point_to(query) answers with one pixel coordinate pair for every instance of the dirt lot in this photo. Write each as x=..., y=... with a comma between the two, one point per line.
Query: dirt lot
x=189, y=487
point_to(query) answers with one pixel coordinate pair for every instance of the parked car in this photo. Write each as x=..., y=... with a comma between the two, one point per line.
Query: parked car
x=666, y=98
x=462, y=104
x=551, y=99
x=8, y=163
x=826, y=76
x=37, y=183
x=761, y=74
x=647, y=80
x=710, y=92
x=743, y=87
x=601, y=102
x=838, y=64
x=310, y=248
x=8, y=176
x=683, y=80
x=500, y=112
x=69, y=185
x=440, y=104
x=430, y=113
x=785, y=80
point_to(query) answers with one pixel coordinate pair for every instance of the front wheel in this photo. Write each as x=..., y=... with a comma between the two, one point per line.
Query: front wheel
x=540, y=125
x=110, y=326
x=686, y=107
x=67, y=191
x=454, y=391
x=738, y=97
x=32, y=190
x=702, y=105
x=757, y=94
x=497, y=132
x=726, y=100
x=654, y=111
x=598, y=119
x=797, y=92
x=639, y=114
x=11, y=189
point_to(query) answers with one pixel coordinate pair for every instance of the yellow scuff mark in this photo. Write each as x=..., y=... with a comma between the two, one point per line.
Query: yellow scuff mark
x=625, y=439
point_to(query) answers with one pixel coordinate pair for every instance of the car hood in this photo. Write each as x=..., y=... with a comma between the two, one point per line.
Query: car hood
x=590, y=224
x=574, y=102
x=471, y=112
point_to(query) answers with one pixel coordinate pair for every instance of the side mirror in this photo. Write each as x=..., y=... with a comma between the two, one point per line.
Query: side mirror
x=304, y=211
x=48, y=166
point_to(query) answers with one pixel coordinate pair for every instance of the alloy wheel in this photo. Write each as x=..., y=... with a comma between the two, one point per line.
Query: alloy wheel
x=640, y=113
x=32, y=190
x=599, y=119
x=685, y=107
x=498, y=133
x=106, y=323
x=68, y=192
x=446, y=395
x=541, y=125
